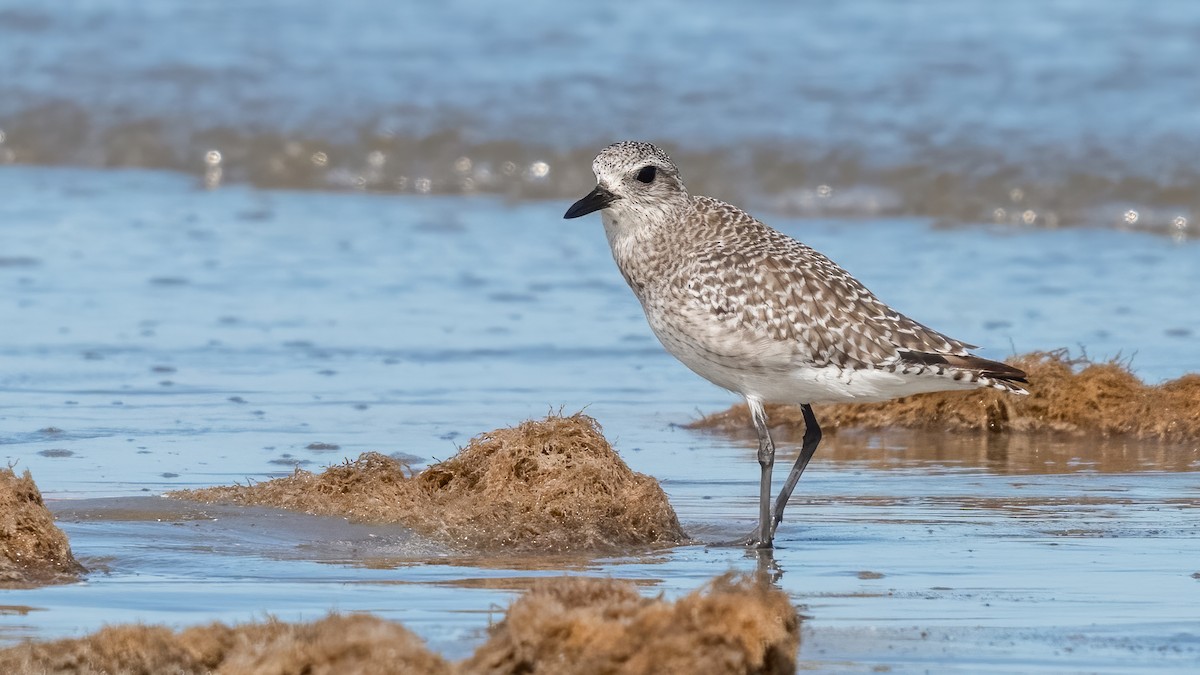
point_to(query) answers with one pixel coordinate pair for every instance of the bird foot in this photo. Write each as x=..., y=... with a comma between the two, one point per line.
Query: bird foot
x=749, y=541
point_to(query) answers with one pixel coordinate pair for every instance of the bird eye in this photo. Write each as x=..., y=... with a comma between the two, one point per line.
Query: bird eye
x=647, y=174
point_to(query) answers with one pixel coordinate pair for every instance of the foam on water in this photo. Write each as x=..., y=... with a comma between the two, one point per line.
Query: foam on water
x=1025, y=113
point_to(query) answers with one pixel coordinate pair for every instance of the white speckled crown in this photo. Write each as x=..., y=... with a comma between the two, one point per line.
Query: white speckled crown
x=624, y=155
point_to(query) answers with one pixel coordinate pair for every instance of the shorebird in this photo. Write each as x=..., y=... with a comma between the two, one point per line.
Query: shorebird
x=758, y=313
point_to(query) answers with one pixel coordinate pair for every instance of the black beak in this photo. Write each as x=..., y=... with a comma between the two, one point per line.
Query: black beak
x=594, y=201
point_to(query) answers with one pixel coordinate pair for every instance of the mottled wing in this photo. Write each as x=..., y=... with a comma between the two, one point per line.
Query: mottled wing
x=764, y=284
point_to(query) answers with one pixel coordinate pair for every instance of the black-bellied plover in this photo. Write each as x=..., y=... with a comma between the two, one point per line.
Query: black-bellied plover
x=758, y=313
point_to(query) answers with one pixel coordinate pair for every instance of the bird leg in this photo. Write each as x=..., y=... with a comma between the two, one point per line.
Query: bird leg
x=812, y=437
x=766, y=462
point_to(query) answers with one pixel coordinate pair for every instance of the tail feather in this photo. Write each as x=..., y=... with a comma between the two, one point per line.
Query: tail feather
x=985, y=371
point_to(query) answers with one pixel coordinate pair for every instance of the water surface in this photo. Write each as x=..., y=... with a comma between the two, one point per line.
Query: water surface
x=160, y=336
x=343, y=233
x=1027, y=113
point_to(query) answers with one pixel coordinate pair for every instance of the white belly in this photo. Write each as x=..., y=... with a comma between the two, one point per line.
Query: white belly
x=808, y=384
x=773, y=372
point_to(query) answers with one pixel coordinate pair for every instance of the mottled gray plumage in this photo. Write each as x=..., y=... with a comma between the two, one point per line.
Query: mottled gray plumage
x=758, y=312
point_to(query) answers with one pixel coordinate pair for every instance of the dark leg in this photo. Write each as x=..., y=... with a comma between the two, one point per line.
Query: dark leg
x=812, y=437
x=766, y=462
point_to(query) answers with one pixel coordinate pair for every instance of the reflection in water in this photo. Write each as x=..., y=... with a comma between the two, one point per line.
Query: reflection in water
x=999, y=453
x=767, y=569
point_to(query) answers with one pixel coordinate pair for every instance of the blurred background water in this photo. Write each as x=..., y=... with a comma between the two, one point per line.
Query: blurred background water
x=1028, y=112
x=237, y=238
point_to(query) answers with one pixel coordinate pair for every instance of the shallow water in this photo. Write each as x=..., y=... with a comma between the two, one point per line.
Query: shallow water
x=160, y=336
x=1027, y=112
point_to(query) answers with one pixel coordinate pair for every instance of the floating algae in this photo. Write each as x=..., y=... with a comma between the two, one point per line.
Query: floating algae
x=33, y=551
x=562, y=625
x=1066, y=396
x=554, y=485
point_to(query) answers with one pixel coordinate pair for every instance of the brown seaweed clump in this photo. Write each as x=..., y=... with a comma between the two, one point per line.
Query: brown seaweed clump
x=554, y=485
x=1066, y=396
x=562, y=625
x=341, y=644
x=571, y=625
x=33, y=551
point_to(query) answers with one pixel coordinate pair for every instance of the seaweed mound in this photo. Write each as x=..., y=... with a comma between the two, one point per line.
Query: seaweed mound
x=353, y=644
x=573, y=625
x=33, y=551
x=562, y=625
x=1066, y=396
x=554, y=485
